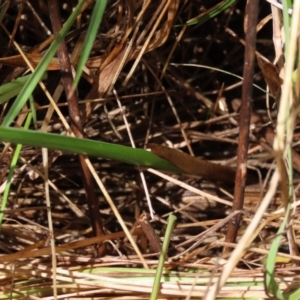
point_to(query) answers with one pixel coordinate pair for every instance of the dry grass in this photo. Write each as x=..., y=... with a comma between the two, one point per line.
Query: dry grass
x=189, y=108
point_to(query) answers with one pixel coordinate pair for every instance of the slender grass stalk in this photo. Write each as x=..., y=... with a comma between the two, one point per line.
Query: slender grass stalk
x=218, y=70
x=37, y=75
x=162, y=257
x=92, y=31
x=138, y=157
x=11, y=172
x=282, y=144
x=211, y=13
x=3, y=7
x=12, y=89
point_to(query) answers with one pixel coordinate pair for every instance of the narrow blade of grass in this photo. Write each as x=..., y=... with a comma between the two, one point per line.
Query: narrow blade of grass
x=162, y=257
x=92, y=31
x=37, y=75
x=210, y=13
x=120, y=153
x=12, y=89
x=11, y=172
x=271, y=283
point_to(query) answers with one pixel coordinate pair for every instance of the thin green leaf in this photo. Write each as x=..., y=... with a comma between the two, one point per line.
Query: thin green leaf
x=211, y=13
x=12, y=89
x=120, y=153
x=33, y=111
x=287, y=4
x=295, y=295
x=271, y=284
x=37, y=75
x=5, y=97
x=92, y=31
x=217, y=70
x=3, y=8
x=19, y=82
x=11, y=172
x=162, y=257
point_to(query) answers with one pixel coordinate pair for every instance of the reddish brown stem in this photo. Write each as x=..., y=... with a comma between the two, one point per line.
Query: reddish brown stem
x=245, y=115
x=76, y=124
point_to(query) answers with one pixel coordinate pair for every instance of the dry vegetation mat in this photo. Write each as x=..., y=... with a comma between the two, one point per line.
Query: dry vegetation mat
x=149, y=149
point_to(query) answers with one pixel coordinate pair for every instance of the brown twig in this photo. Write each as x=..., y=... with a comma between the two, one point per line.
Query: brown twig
x=245, y=115
x=76, y=123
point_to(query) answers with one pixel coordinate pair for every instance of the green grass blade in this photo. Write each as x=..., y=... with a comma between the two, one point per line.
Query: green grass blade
x=211, y=13
x=271, y=284
x=19, y=82
x=5, y=97
x=120, y=153
x=12, y=89
x=286, y=23
x=33, y=112
x=295, y=295
x=162, y=257
x=218, y=70
x=3, y=8
x=11, y=172
x=37, y=75
x=92, y=31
